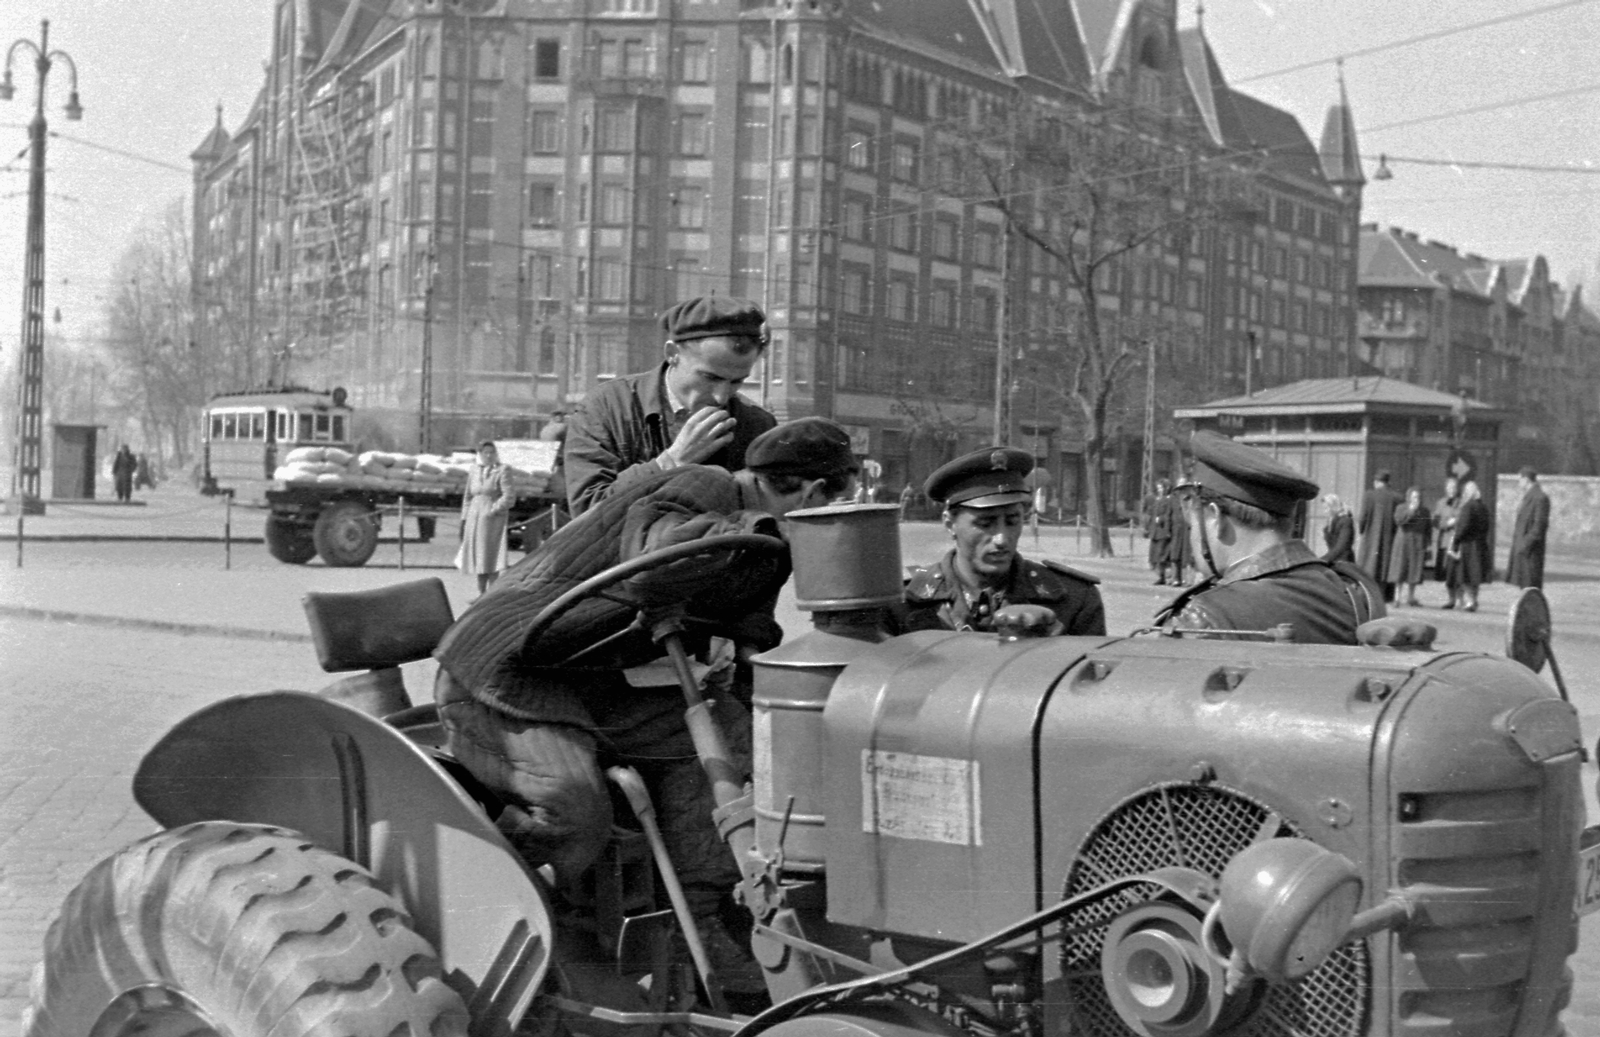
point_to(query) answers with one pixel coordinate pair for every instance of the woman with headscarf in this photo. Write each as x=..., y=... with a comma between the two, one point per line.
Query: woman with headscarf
x=483, y=517
x=1340, y=532
x=1468, y=549
x=1409, y=562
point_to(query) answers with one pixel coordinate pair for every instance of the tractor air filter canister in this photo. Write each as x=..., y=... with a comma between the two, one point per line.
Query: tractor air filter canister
x=846, y=556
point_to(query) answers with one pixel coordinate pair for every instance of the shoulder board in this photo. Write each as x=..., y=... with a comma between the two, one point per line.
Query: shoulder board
x=924, y=582
x=1067, y=570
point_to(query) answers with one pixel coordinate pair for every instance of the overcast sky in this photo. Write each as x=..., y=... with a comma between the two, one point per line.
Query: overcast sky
x=152, y=72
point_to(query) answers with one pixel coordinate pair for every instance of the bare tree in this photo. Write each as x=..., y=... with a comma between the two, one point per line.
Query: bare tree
x=1100, y=203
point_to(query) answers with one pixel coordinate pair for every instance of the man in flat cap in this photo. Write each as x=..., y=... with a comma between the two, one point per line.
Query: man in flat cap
x=539, y=735
x=985, y=498
x=1240, y=504
x=687, y=410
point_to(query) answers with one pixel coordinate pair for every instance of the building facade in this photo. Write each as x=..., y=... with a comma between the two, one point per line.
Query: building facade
x=1496, y=331
x=470, y=213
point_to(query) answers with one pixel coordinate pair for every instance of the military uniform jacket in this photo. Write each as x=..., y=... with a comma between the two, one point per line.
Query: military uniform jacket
x=936, y=600
x=1286, y=583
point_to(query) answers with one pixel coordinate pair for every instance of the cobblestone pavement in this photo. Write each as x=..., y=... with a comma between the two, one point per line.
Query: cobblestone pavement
x=120, y=675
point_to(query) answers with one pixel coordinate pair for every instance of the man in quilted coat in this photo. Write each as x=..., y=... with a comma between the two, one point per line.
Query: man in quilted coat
x=539, y=734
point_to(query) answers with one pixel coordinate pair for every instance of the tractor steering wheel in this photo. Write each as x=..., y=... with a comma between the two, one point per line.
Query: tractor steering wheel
x=726, y=549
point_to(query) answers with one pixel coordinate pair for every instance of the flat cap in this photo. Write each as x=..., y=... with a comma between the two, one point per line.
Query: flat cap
x=711, y=315
x=811, y=447
x=988, y=478
x=1246, y=474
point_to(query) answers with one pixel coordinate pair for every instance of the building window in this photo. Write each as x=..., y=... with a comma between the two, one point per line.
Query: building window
x=547, y=59
x=1277, y=311
x=854, y=285
x=906, y=154
x=757, y=62
x=693, y=135
x=942, y=304
x=544, y=132
x=902, y=300
x=608, y=58
x=613, y=204
x=690, y=210
x=944, y=237
x=857, y=149
x=903, y=231
x=694, y=61
x=855, y=220
x=1299, y=314
x=638, y=60
x=611, y=280
x=542, y=205
x=985, y=310
x=810, y=135
x=1302, y=269
x=687, y=281
x=986, y=246
x=614, y=130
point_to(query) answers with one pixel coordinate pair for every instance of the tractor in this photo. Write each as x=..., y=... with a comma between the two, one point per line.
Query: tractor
x=944, y=833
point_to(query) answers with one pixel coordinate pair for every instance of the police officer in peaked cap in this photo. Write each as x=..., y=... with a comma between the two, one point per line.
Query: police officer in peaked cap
x=1240, y=503
x=985, y=502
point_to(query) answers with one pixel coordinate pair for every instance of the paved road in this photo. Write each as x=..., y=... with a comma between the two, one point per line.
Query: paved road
x=82, y=700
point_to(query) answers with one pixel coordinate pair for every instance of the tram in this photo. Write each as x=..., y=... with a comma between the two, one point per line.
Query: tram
x=246, y=435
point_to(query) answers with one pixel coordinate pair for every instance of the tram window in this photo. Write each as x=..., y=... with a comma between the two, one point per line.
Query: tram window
x=230, y=426
x=305, y=428
x=323, y=426
x=283, y=426
x=216, y=426
x=338, y=428
x=258, y=427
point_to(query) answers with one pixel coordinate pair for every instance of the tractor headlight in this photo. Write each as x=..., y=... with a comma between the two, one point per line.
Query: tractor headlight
x=1286, y=904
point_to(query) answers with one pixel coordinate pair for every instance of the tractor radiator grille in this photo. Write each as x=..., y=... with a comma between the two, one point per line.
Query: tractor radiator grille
x=1200, y=827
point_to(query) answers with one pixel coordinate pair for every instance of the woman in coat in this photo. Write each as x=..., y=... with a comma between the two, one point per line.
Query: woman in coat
x=1468, y=549
x=483, y=517
x=1340, y=532
x=1409, y=562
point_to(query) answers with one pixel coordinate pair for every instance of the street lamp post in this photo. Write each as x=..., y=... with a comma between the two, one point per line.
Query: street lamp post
x=25, y=488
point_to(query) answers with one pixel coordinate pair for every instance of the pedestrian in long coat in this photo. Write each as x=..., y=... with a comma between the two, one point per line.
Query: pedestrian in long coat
x=1376, y=526
x=1158, y=527
x=1408, y=565
x=1469, y=549
x=1340, y=532
x=1444, y=531
x=122, y=468
x=1526, y=566
x=484, y=507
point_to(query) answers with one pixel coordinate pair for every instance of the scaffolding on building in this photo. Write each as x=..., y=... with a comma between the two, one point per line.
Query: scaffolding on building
x=332, y=139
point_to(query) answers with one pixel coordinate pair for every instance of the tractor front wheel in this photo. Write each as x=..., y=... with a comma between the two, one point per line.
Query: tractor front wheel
x=240, y=930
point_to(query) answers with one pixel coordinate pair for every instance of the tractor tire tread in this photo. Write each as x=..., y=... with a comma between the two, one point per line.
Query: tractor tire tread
x=272, y=935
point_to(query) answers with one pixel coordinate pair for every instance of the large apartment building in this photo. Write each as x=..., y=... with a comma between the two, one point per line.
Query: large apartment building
x=1499, y=331
x=475, y=210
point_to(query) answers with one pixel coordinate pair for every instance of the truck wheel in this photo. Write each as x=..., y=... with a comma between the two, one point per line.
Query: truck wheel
x=236, y=929
x=289, y=541
x=346, y=534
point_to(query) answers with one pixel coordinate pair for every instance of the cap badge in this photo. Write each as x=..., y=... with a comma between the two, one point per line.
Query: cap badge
x=997, y=460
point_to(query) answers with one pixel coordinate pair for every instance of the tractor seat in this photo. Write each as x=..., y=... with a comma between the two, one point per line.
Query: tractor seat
x=377, y=631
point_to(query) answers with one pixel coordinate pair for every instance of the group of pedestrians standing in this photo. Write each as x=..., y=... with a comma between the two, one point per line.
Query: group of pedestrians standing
x=1403, y=542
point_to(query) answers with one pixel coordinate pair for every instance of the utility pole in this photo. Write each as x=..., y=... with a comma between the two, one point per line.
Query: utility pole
x=425, y=368
x=1147, y=463
x=1002, y=338
x=29, y=447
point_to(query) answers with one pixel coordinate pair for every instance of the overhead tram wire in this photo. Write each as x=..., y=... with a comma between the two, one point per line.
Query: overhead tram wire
x=1410, y=40
x=1482, y=108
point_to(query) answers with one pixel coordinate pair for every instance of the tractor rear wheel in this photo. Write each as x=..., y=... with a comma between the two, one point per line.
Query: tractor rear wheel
x=289, y=541
x=346, y=534
x=240, y=930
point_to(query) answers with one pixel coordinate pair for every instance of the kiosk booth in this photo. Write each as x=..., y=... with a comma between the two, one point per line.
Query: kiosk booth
x=1341, y=432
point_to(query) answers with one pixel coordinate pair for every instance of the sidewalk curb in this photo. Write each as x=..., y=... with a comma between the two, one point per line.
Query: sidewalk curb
x=161, y=625
x=79, y=538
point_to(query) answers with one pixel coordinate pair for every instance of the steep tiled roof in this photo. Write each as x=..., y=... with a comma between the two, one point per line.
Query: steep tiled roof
x=1338, y=395
x=1289, y=151
x=1211, y=91
x=1398, y=259
x=1341, y=157
x=1034, y=38
x=215, y=145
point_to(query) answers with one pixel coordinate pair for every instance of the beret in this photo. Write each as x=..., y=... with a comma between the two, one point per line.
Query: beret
x=988, y=478
x=810, y=447
x=711, y=315
x=1246, y=474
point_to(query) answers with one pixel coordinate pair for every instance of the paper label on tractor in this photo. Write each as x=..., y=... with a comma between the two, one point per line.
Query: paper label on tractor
x=932, y=798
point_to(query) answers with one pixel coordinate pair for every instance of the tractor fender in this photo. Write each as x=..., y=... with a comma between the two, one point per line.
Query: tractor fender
x=359, y=788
